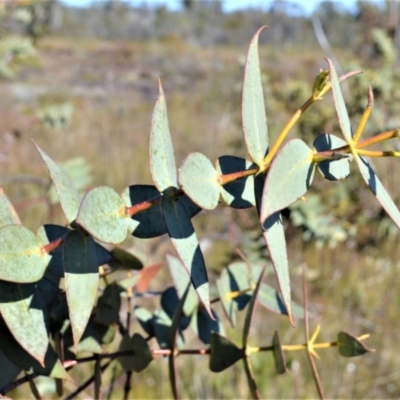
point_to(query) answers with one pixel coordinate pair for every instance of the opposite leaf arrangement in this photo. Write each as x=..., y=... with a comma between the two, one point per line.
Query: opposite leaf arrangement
x=43, y=327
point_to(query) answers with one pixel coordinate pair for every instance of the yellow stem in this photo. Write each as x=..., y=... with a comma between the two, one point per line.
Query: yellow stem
x=365, y=116
x=286, y=130
x=237, y=293
x=379, y=138
x=369, y=153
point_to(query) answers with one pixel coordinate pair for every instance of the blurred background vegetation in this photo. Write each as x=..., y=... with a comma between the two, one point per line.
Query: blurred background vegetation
x=83, y=83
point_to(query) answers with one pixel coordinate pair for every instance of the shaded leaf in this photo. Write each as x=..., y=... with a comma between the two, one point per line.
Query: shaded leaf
x=67, y=193
x=239, y=193
x=8, y=215
x=170, y=303
x=271, y=299
x=109, y=304
x=234, y=279
x=378, y=189
x=279, y=357
x=250, y=311
x=162, y=159
x=24, y=311
x=145, y=319
x=81, y=279
x=224, y=353
x=350, y=346
x=9, y=371
x=253, y=107
x=251, y=379
x=18, y=356
x=203, y=325
x=340, y=106
x=289, y=177
x=332, y=170
x=184, y=239
x=274, y=236
x=103, y=214
x=126, y=258
x=21, y=257
x=142, y=354
x=181, y=280
x=199, y=180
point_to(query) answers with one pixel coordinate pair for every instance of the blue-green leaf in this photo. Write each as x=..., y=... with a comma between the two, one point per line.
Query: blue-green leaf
x=24, y=311
x=239, y=193
x=8, y=215
x=21, y=257
x=199, y=180
x=289, y=177
x=162, y=159
x=274, y=236
x=332, y=170
x=81, y=279
x=350, y=346
x=67, y=193
x=103, y=214
x=253, y=108
x=184, y=239
x=378, y=189
x=224, y=353
x=340, y=106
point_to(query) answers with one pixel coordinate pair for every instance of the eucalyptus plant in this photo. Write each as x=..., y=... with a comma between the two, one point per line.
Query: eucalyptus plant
x=45, y=325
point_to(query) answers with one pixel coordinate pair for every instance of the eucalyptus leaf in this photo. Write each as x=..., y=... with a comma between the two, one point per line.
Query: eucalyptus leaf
x=24, y=311
x=332, y=170
x=378, y=189
x=239, y=193
x=103, y=214
x=253, y=107
x=8, y=215
x=199, y=180
x=250, y=311
x=184, y=239
x=204, y=326
x=181, y=280
x=289, y=177
x=274, y=236
x=21, y=257
x=224, y=353
x=67, y=193
x=162, y=159
x=340, y=106
x=81, y=279
x=279, y=356
x=350, y=346
x=142, y=354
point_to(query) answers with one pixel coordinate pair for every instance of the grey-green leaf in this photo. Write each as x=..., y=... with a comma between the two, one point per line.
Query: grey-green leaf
x=199, y=180
x=21, y=257
x=274, y=236
x=279, y=357
x=224, y=353
x=24, y=311
x=181, y=280
x=250, y=310
x=253, y=107
x=81, y=279
x=8, y=215
x=378, y=189
x=184, y=239
x=162, y=159
x=67, y=193
x=340, y=106
x=290, y=175
x=332, y=170
x=103, y=214
x=350, y=346
x=239, y=193
x=142, y=354
x=272, y=299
